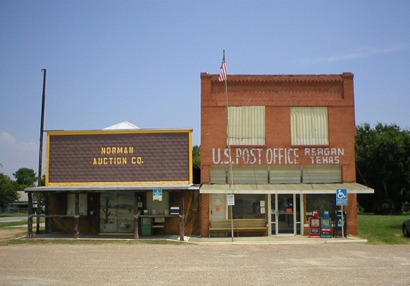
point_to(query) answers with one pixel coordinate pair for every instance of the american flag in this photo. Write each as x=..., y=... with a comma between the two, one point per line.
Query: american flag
x=222, y=75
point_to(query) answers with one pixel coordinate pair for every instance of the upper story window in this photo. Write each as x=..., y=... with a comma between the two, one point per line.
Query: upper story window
x=309, y=126
x=246, y=125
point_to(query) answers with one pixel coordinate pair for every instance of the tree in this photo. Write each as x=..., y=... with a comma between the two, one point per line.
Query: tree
x=383, y=163
x=196, y=154
x=25, y=177
x=196, y=158
x=8, y=191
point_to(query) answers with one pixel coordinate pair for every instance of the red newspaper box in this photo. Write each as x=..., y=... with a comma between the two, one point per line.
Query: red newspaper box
x=314, y=225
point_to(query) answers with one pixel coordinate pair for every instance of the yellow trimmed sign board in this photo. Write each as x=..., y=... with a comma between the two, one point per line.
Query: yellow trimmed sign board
x=119, y=157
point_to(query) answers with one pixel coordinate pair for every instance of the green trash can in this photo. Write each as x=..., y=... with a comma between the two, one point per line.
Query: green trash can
x=146, y=226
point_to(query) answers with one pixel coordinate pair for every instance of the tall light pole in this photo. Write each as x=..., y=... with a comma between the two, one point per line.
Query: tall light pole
x=40, y=152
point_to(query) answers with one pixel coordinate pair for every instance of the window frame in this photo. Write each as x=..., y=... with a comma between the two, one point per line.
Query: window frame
x=309, y=126
x=246, y=126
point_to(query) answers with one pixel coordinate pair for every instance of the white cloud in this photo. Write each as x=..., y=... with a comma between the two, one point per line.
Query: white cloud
x=352, y=55
x=15, y=154
x=6, y=138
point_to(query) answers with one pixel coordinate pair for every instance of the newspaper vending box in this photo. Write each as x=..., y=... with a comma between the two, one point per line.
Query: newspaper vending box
x=314, y=225
x=326, y=224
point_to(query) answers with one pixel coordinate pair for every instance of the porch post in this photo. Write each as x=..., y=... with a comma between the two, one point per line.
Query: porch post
x=302, y=214
x=136, y=230
x=181, y=227
x=30, y=216
x=269, y=212
x=77, y=215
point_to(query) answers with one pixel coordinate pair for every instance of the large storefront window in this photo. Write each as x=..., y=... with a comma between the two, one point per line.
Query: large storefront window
x=117, y=212
x=249, y=206
x=320, y=203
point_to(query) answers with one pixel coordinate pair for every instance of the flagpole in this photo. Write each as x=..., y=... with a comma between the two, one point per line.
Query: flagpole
x=230, y=182
x=229, y=149
x=223, y=77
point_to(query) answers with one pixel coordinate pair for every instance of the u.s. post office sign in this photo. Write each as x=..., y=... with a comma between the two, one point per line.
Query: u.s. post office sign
x=119, y=157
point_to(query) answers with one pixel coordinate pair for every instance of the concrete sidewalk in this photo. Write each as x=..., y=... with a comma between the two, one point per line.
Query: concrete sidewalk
x=282, y=239
x=285, y=239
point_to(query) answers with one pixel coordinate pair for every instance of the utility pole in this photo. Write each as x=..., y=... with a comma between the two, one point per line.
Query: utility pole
x=40, y=152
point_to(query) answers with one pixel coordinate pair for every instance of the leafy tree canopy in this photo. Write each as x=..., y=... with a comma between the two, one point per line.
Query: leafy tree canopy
x=8, y=190
x=25, y=177
x=196, y=154
x=383, y=163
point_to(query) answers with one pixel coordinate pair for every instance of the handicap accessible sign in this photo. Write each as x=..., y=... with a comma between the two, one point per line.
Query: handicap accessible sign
x=341, y=197
x=157, y=195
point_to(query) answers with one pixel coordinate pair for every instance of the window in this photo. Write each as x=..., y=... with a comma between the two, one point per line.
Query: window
x=218, y=175
x=309, y=126
x=322, y=174
x=284, y=174
x=249, y=206
x=249, y=175
x=71, y=204
x=320, y=203
x=246, y=125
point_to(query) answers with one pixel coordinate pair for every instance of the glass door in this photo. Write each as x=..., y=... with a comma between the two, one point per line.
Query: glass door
x=285, y=213
x=274, y=214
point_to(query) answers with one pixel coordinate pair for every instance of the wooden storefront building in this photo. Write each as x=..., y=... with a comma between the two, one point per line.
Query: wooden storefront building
x=119, y=182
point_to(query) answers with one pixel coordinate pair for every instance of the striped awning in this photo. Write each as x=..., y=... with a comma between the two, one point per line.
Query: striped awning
x=352, y=188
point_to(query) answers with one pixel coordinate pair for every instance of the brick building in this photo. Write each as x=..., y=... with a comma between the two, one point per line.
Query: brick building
x=282, y=145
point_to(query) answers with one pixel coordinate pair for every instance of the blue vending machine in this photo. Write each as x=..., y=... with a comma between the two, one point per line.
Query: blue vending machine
x=326, y=225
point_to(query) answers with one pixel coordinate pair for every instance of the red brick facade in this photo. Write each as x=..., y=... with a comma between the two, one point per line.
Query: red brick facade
x=278, y=93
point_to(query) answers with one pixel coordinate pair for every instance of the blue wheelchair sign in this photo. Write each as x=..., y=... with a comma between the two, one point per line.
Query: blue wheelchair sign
x=341, y=197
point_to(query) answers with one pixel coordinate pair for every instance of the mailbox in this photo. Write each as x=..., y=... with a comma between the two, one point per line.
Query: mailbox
x=314, y=225
x=326, y=225
x=174, y=210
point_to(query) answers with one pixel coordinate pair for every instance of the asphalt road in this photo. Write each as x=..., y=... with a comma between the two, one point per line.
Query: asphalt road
x=219, y=264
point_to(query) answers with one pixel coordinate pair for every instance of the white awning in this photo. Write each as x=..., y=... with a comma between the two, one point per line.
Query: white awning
x=352, y=188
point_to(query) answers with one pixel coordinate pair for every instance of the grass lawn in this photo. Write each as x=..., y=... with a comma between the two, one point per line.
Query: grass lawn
x=13, y=214
x=381, y=229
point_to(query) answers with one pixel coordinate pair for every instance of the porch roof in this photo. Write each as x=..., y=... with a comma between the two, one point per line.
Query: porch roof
x=109, y=188
x=352, y=188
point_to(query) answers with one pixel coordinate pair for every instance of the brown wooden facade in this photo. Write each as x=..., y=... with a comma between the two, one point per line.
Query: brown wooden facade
x=98, y=181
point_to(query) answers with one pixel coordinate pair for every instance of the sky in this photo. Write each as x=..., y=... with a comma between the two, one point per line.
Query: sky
x=140, y=61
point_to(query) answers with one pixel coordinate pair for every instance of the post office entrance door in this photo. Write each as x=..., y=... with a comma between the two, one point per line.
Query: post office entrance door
x=285, y=213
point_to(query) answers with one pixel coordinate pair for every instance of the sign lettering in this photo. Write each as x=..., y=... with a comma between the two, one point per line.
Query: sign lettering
x=119, y=160
x=277, y=156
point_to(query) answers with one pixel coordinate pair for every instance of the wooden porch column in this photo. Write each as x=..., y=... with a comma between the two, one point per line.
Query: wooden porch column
x=136, y=230
x=30, y=216
x=77, y=215
x=38, y=213
x=181, y=227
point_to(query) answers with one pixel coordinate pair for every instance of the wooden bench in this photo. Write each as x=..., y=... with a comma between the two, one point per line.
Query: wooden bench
x=239, y=225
